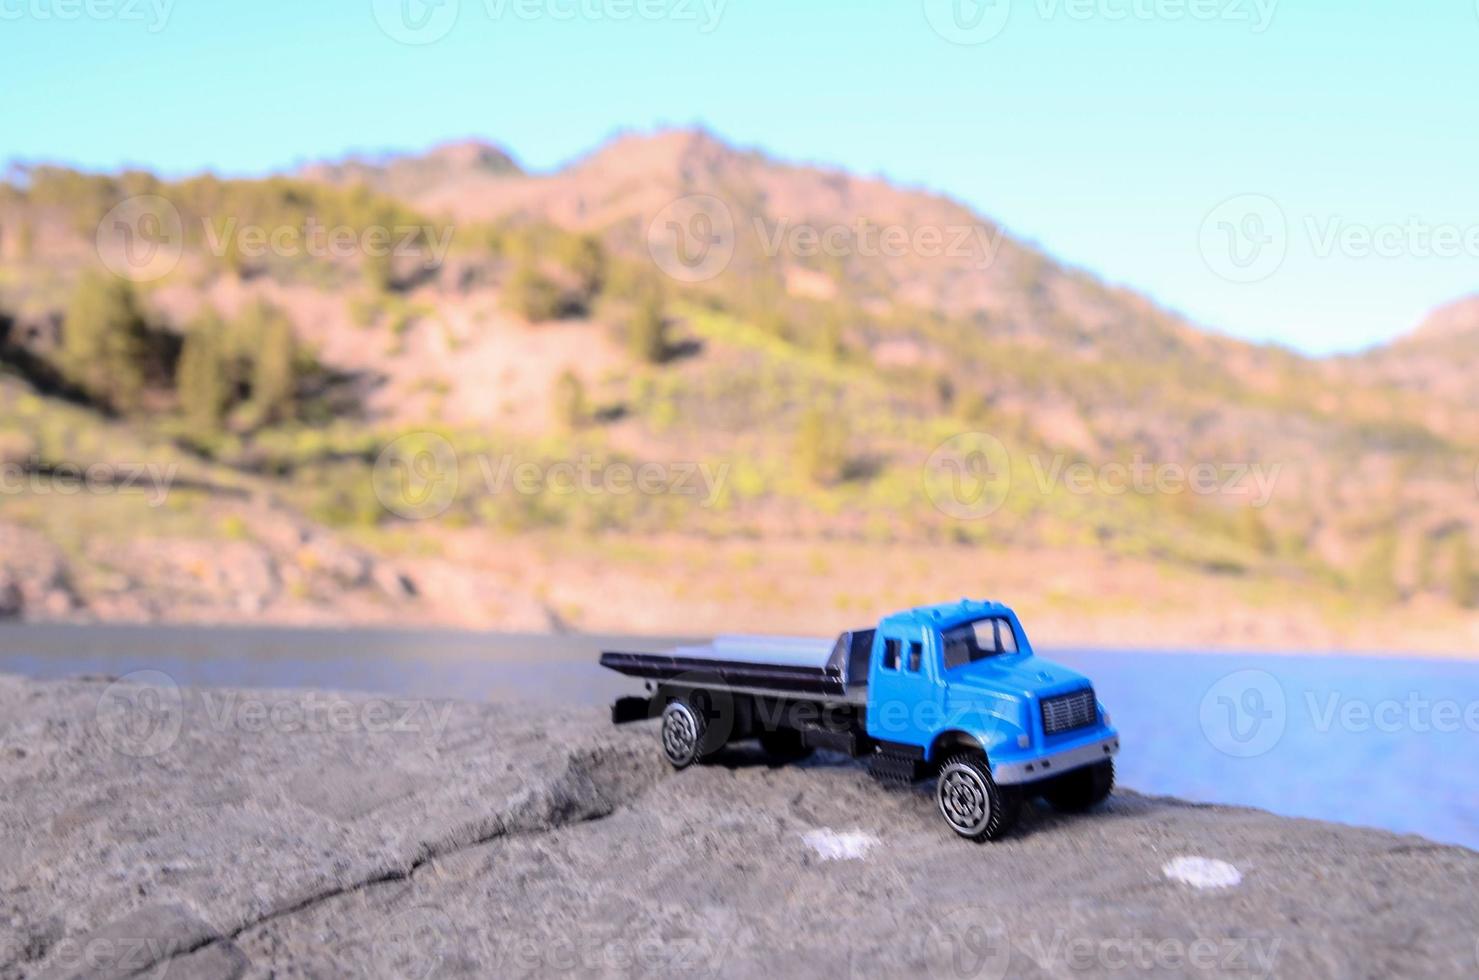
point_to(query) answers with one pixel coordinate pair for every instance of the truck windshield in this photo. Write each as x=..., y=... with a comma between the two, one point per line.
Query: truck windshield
x=970, y=642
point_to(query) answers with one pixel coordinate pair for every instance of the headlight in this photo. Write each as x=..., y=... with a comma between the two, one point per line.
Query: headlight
x=1023, y=741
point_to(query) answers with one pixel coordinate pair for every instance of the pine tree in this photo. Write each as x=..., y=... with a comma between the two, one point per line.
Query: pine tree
x=25, y=241
x=647, y=330
x=569, y=400
x=821, y=445
x=1464, y=588
x=1377, y=574
x=201, y=377
x=105, y=342
x=586, y=260
x=531, y=294
x=274, y=377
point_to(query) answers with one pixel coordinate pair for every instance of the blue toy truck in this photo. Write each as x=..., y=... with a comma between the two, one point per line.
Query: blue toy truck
x=952, y=691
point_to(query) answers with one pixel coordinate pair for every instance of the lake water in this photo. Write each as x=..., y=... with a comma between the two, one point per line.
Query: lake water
x=1388, y=743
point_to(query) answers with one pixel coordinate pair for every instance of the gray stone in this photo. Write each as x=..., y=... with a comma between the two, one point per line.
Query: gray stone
x=308, y=834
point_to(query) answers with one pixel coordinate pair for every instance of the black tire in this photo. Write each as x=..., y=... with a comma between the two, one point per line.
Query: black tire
x=971, y=802
x=1077, y=791
x=683, y=731
x=785, y=744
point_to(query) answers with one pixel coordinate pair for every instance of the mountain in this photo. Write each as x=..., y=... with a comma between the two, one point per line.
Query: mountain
x=846, y=351
x=1439, y=358
x=411, y=177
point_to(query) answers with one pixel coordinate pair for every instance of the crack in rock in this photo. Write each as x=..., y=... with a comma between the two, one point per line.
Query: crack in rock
x=595, y=782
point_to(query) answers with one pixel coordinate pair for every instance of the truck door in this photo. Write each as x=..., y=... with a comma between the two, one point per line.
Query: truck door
x=904, y=687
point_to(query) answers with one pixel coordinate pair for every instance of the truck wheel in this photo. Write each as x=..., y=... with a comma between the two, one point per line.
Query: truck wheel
x=971, y=802
x=1076, y=791
x=784, y=743
x=682, y=734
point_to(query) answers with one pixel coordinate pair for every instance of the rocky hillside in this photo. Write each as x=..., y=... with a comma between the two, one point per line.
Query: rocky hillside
x=848, y=361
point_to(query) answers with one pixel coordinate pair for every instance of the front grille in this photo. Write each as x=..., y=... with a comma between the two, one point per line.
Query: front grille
x=1065, y=712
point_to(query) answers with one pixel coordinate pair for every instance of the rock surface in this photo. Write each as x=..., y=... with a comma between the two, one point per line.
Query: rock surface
x=165, y=832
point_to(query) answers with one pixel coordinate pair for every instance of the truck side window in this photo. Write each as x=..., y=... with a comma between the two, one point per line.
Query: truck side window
x=916, y=654
x=890, y=654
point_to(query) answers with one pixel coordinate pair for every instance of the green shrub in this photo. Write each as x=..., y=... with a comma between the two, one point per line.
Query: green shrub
x=821, y=445
x=570, y=401
x=647, y=329
x=202, y=377
x=105, y=342
x=531, y=294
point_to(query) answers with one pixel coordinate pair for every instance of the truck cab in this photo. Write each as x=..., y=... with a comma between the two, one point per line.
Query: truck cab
x=962, y=678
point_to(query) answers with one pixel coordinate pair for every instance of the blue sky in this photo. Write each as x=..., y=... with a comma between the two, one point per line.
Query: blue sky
x=1110, y=132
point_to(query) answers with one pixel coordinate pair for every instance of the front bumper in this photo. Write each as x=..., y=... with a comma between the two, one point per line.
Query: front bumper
x=1065, y=760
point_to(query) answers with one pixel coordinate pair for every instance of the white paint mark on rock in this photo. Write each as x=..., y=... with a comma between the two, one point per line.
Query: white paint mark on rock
x=833, y=845
x=1200, y=872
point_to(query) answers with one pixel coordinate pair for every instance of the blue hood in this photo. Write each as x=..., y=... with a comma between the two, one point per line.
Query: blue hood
x=1017, y=674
